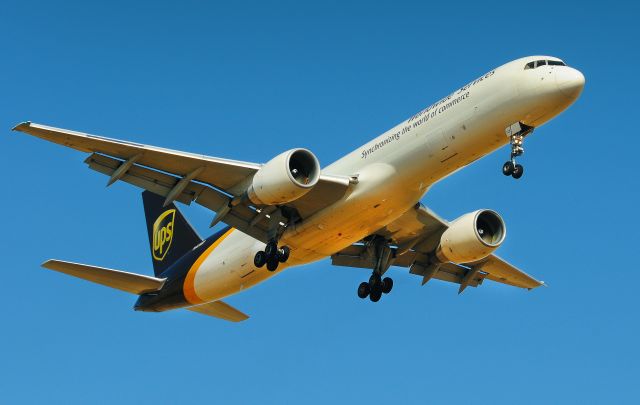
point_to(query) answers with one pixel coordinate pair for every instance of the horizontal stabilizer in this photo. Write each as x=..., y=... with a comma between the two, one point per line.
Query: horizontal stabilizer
x=220, y=309
x=121, y=280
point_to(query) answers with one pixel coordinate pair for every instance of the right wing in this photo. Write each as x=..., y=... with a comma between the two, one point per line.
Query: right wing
x=186, y=177
x=222, y=173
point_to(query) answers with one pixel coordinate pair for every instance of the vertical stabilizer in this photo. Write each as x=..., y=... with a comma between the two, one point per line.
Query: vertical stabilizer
x=170, y=235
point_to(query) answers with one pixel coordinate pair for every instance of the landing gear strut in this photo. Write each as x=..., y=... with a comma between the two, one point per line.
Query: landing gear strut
x=271, y=256
x=516, y=133
x=382, y=256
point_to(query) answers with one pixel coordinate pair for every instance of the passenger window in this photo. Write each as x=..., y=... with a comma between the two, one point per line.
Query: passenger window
x=541, y=63
x=529, y=65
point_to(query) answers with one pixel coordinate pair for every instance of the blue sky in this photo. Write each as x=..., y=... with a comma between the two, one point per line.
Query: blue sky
x=248, y=81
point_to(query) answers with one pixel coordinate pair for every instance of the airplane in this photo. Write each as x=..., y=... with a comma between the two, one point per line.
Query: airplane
x=362, y=211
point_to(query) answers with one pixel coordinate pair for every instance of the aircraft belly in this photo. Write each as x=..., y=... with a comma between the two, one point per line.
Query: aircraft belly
x=380, y=198
x=229, y=268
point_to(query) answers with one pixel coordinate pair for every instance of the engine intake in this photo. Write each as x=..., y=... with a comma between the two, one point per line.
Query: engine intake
x=285, y=178
x=472, y=237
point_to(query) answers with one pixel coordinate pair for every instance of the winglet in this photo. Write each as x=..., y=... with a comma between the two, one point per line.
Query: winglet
x=21, y=125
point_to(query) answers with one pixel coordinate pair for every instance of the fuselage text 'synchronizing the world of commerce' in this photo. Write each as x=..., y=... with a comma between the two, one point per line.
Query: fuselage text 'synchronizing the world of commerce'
x=361, y=211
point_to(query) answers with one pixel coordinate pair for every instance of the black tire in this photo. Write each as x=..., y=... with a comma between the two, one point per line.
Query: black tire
x=375, y=293
x=272, y=264
x=507, y=168
x=518, y=171
x=271, y=249
x=283, y=254
x=387, y=285
x=260, y=259
x=363, y=290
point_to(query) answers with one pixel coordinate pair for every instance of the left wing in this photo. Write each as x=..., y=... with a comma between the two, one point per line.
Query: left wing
x=212, y=182
x=416, y=235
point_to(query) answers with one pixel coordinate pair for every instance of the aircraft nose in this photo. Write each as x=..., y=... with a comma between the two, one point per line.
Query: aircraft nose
x=570, y=82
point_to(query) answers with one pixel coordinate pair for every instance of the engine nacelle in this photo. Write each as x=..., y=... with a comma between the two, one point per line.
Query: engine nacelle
x=285, y=178
x=472, y=237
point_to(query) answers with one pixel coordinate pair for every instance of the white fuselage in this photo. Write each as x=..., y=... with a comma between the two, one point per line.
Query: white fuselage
x=397, y=168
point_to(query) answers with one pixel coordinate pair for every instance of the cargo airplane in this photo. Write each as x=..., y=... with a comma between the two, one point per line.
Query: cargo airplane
x=361, y=211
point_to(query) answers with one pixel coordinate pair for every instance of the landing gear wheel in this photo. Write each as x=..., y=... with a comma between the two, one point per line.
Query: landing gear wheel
x=271, y=249
x=272, y=264
x=260, y=259
x=363, y=290
x=387, y=285
x=518, y=171
x=516, y=133
x=508, y=168
x=375, y=293
x=283, y=254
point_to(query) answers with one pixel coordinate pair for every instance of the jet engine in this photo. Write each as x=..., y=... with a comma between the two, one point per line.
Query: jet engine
x=471, y=237
x=285, y=178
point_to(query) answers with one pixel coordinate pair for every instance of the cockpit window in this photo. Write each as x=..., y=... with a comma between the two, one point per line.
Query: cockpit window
x=556, y=63
x=538, y=63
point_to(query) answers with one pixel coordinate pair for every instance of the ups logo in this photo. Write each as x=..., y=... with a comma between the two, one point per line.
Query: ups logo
x=163, y=234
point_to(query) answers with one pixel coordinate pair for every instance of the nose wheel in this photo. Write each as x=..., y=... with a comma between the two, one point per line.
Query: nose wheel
x=516, y=133
x=512, y=169
x=272, y=256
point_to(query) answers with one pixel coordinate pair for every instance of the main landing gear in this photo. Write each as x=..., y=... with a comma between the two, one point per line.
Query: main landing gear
x=375, y=287
x=271, y=256
x=516, y=133
x=382, y=256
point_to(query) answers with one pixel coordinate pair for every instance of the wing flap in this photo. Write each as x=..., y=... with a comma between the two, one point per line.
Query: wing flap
x=220, y=309
x=120, y=280
x=239, y=217
x=154, y=181
x=328, y=190
x=356, y=256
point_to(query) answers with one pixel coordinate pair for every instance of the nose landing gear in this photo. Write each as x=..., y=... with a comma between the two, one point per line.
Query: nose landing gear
x=516, y=133
x=271, y=256
x=382, y=256
x=510, y=168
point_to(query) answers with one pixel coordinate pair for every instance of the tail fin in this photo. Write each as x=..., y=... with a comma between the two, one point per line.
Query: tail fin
x=170, y=235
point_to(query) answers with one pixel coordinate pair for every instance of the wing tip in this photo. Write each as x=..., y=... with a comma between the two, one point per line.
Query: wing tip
x=21, y=126
x=47, y=263
x=540, y=284
x=54, y=264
